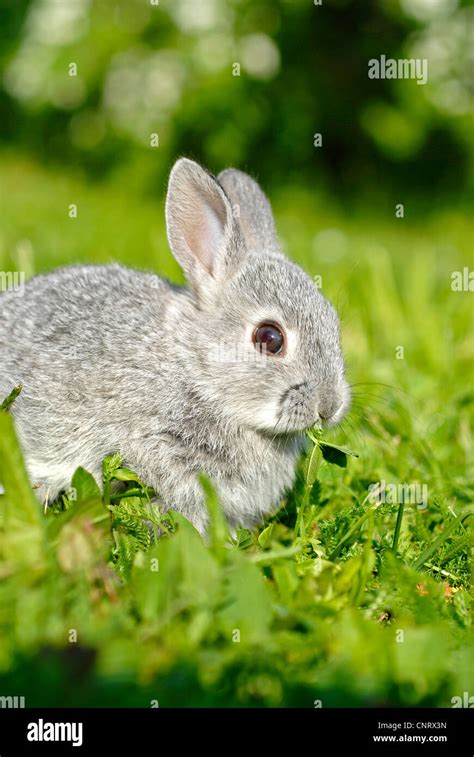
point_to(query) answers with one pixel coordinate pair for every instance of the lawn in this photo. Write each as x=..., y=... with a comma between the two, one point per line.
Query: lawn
x=343, y=597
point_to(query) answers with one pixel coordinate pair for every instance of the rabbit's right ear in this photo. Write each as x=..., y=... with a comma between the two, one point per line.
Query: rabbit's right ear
x=203, y=235
x=252, y=208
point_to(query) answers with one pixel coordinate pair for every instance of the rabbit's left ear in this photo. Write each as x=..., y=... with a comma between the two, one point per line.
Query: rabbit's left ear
x=252, y=209
x=203, y=235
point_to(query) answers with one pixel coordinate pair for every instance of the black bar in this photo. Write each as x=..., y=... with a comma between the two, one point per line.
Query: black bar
x=324, y=731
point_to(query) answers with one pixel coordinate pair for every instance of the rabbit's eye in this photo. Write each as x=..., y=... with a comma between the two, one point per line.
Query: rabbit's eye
x=268, y=337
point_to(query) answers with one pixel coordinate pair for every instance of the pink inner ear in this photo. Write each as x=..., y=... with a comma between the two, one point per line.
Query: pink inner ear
x=205, y=229
x=197, y=216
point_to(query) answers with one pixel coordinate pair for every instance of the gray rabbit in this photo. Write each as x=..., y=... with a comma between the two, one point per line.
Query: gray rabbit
x=222, y=377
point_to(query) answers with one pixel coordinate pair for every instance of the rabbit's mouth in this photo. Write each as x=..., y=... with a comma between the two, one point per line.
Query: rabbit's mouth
x=309, y=404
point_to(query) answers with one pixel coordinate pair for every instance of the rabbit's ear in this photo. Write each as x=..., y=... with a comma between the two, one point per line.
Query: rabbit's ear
x=252, y=208
x=204, y=237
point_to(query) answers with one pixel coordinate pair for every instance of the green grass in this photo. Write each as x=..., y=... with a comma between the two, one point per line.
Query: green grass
x=335, y=599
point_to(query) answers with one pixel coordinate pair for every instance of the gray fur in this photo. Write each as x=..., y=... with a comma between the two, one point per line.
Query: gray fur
x=113, y=359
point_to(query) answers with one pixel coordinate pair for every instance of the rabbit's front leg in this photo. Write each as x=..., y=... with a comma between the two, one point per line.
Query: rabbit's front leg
x=179, y=490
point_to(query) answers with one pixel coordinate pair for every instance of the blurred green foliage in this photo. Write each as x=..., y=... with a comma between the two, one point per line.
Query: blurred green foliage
x=168, y=69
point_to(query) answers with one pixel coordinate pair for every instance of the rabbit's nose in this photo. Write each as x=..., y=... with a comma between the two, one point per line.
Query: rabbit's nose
x=328, y=406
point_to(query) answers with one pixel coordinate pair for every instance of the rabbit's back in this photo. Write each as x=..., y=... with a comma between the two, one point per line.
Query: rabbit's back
x=76, y=308
x=81, y=341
